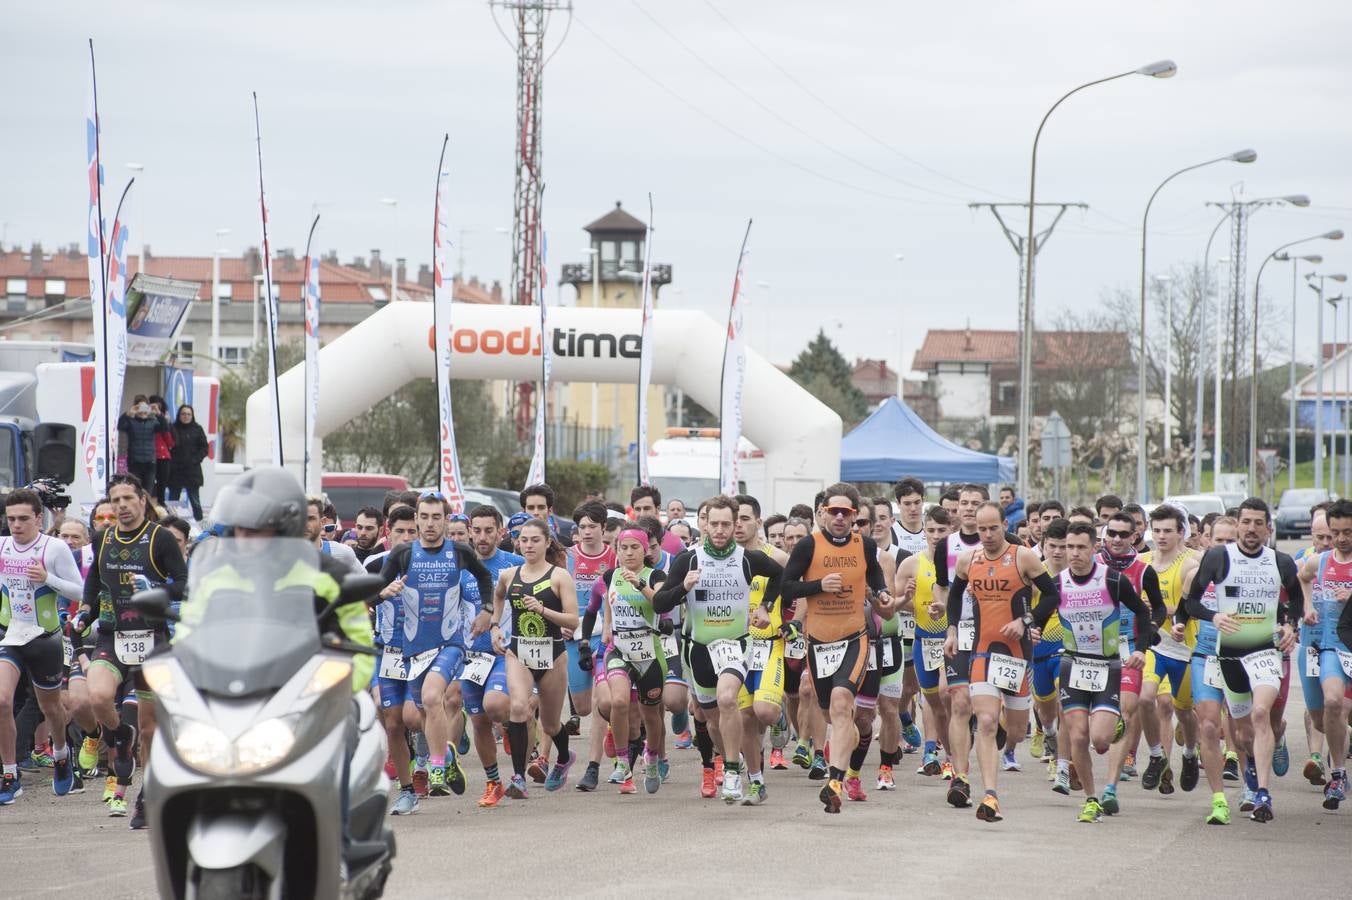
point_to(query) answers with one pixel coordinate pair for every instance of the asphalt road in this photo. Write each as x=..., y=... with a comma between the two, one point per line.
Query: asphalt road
x=910, y=841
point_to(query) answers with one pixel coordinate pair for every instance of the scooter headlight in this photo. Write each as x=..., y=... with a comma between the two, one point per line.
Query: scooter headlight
x=207, y=749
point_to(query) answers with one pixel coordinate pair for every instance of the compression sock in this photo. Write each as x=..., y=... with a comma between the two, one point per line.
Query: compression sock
x=931, y=746
x=860, y=752
x=561, y=745
x=516, y=734
x=704, y=742
x=491, y=773
x=680, y=721
x=436, y=762
x=906, y=720
x=837, y=774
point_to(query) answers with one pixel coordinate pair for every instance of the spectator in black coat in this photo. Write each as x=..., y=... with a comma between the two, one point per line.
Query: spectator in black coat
x=185, y=463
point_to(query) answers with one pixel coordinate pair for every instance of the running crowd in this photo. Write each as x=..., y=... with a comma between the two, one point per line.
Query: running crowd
x=929, y=629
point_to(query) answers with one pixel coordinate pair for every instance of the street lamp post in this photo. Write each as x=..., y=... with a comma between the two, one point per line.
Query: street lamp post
x=1336, y=303
x=1142, y=490
x=1314, y=259
x=1335, y=235
x=1168, y=282
x=1163, y=69
x=216, y=306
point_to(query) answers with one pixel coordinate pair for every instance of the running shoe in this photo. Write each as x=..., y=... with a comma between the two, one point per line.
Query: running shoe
x=930, y=764
x=1119, y=730
x=463, y=746
x=652, y=776
x=1009, y=762
x=117, y=807
x=989, y=810
x=1129, y=767
x=1092, y=812
x=1109, y=803
x=885, y=780
x=818, y=770
x=1192, y=770
x=1247, y=800
x=590, y=778
x=1250, y=775
x=538, y=769
x=683, y=741
x=77, y=785
x=718, y=769
x=618, y=774
x=41, y=757
x=664, y=768
x=1151, y=779
x=10, y=789
x=1336, y=791
x=406, y=804
x=802, y=756
x=1051, y=770
x=627, y=786
x=109, y=788
x=1281, y=758
x=1075, y=779
x=138, y=814
x=1038, y=746
x=1220, y=810
x=854, y=789
x=455, y=776
x=914, y=739
x=830, y=796
x=1262, y=806
x=732, y=788
x=947, y=770
x=1062, y=783
x=960, y=792
x=1167, y=780
x=708, y=788
x=755, y=794
x=429, y=781
x=777, y=760
x=610, y=744
x=63, y=776
x=516, y=788
x=558, y=776
x=1314, y=770
x=89, y=754
x=1231, y=772
x=493, y=794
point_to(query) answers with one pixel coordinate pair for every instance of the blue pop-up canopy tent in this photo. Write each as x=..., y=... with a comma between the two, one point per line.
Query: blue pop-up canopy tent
x=894, y=442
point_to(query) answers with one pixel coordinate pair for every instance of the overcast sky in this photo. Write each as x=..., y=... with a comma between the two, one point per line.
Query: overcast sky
x=850, y=132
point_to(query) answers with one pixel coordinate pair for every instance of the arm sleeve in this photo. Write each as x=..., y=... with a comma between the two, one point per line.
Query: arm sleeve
x=470, y=562
x=1049, y=590
x=394, y=565
x=941, y=572
x=955, y=592
x=1213, y=568
x=594, y=598
x=94, y=581
x=873, y=575
x=758, y=563
x=672, y=591
x=63, y=573
x=793, y=586
x=1295, y=593
x=1126, y=596
x=169, y=559
x=1150, y=586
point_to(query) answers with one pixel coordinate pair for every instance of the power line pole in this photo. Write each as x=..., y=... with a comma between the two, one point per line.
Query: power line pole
x=530, y=21
x=1018, y=241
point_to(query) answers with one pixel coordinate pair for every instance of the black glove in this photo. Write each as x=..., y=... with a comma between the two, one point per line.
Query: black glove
x=666, y=626
x=585, y=660
x=789, y=630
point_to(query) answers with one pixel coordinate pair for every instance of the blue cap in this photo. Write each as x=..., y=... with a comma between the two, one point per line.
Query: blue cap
x=517, y=520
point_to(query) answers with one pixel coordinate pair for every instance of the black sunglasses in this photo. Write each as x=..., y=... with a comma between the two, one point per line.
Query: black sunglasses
x=1112, y=533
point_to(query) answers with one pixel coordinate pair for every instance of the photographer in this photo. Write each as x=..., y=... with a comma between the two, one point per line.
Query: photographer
x=140, y=425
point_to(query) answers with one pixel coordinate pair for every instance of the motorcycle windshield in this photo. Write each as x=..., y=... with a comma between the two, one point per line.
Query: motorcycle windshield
x=248, y=618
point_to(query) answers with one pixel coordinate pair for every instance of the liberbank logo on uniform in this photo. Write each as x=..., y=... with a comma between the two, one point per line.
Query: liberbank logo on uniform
x=525, y=341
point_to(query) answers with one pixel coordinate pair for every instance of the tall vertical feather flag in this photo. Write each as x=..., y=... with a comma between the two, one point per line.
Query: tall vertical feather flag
x=310, y=466
x=537, y=472
x=94, y=445
x=730, y=389
x=645, y=355
x=269, y=300
x=443, y=297
x=115, y=319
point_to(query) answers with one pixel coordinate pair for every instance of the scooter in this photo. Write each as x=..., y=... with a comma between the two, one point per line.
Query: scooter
x=266, y=777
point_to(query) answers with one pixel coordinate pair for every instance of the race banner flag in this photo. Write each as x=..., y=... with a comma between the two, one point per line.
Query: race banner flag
x=443, y=296
x=645, y=350
x=269, y=300
x=310, y=468
x=536, y=475
x=94, y=446
x=115, y=318
x=730, y=388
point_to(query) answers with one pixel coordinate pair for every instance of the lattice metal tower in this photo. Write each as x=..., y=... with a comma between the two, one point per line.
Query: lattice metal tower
x=530, y=20
x=1239, y=254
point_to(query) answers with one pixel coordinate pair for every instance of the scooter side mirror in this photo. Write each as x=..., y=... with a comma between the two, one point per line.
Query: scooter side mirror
x=154, y=604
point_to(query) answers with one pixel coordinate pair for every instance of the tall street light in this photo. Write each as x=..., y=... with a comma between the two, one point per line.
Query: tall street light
x=1165, y=68
x=1310, y=279
x=1336, y=303
x=1300, y=200
x=393, y=204
x=1335, y=235
x=1142, y=492
x=1314, y=259
x=1168, y=282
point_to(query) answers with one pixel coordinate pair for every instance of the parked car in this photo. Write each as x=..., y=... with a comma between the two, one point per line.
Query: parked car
x=1292, y=516
x=507, y=502
x=350, y=491
x=1232, y=499
x=1198, y=504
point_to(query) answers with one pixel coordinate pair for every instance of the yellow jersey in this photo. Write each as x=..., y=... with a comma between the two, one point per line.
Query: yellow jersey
x=925, y=579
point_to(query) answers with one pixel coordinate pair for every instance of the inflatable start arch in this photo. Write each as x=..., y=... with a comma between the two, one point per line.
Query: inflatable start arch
x=799, y=435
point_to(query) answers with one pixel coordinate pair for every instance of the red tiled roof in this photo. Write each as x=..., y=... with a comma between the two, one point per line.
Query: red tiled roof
x=1054, y=349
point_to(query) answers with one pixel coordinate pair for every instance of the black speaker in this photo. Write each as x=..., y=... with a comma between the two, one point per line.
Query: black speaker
x=54, y=449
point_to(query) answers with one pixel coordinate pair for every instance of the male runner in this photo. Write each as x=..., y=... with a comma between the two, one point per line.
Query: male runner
x=588, y=560
x=908, y=529
x=1250, y=579
x=314, y=532
x=1000, y=575
x=833, y=571
x=36, y=572
x=915, y=580
x=1047, y=663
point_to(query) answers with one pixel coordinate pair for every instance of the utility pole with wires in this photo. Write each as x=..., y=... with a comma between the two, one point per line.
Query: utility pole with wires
x=529, y=20
x=1018, y=241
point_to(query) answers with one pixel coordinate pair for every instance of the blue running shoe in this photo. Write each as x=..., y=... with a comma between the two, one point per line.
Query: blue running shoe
x=63, y=775
x=914, y=739
x=1251, y=776
x=1262, y=806
x=558, y=776
x=10, y=789
x=1281, y=758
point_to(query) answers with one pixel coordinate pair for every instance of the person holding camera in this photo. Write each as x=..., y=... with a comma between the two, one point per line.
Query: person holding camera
x=139, y=426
